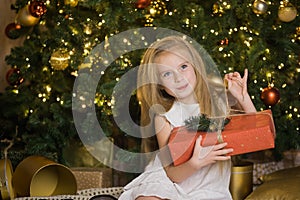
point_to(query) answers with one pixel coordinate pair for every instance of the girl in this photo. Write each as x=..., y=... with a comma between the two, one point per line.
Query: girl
x=175, y=83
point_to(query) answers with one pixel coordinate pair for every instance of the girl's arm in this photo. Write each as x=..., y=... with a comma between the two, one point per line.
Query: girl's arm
x=198, y=160
x=237, y=86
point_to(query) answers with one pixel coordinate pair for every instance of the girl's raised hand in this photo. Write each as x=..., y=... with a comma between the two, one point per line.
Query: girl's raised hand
x=236, y=84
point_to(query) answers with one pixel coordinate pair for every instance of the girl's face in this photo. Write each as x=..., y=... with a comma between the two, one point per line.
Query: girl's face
x=177, y=77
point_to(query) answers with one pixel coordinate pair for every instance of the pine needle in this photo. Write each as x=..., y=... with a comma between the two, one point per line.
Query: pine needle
x=205, y=124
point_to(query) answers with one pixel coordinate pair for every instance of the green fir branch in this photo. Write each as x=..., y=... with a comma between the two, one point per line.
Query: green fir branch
x=205, y=124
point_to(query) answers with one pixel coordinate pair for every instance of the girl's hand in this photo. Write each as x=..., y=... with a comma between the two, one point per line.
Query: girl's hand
x=203, y=156
x=237, y=85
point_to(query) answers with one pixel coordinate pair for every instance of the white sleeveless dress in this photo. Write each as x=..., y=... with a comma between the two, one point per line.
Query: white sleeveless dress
x=209, y=183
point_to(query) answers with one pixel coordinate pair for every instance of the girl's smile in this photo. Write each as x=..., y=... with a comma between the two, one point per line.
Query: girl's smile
x=183, y=87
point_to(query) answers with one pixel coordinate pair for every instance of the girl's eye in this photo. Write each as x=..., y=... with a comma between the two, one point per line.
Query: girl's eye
x=166, y=74
x=183, y=67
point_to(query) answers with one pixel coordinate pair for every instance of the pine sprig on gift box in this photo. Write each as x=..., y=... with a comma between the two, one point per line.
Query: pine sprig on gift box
x=205, y=124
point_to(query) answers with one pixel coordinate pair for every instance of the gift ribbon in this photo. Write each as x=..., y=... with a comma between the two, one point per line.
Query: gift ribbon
x=219, y=137
x=219, y=132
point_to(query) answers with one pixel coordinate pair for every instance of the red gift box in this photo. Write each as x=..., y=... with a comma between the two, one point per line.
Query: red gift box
x=245, y=133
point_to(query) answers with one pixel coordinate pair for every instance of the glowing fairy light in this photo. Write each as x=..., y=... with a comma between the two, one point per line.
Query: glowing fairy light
x=152, y=11
x=48, y=88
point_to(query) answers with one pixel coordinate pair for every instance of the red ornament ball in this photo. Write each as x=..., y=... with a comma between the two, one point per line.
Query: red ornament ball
x=223, y=42
x=12, y=30
x=14, y=77
x=270, y=96
x=37, y=8
x=141, y=4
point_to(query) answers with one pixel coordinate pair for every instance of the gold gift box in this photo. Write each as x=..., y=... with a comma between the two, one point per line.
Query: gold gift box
x=39, y=176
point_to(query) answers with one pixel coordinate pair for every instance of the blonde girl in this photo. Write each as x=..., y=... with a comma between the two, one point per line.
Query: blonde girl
x=177, y=80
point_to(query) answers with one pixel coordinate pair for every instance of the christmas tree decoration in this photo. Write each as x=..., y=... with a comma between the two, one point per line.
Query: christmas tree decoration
x=296, y=36
x=14, y=77
x=158, y=7
x=142, y=4
x=259, y=7
x=219, y=8
x=72, y=3
x=270, y=96
x=60, y=59
x=205, y=124
x=37, y=8
x=12, y=30
x=88, y=29
x=25, y=18
x=223, y=42
x=287, y=12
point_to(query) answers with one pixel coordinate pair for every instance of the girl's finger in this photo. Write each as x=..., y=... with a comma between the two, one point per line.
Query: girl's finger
x=245, y=78
x=230, y=75
x=220, y=146
x=222, y=158
x=224, y=151
x=199, y=139
x=236, y=74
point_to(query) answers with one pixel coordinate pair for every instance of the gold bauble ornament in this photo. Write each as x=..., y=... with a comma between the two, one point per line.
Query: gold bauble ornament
x=24, y=17
x=287, y=12
x=60, y=59
x=259, y=7
x=72, y=3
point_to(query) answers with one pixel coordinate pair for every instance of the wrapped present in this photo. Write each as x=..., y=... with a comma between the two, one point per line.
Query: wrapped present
x=88, y=178
x=244, y=133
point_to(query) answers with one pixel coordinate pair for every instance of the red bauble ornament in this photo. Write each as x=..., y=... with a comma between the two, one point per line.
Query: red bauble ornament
x=223, y=42
x=37, y=8
x=24, y=18
x=141, y=4
x=12, y=30
x=14, y=77
x=270, y=96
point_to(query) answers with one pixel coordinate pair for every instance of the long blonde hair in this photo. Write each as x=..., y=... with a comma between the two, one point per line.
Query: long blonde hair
x=150, y=93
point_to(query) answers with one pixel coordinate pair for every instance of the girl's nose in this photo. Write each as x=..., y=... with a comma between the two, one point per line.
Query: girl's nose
x=178, y=76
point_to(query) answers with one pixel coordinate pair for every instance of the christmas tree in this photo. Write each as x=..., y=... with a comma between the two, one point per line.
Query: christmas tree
x=36, y=109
